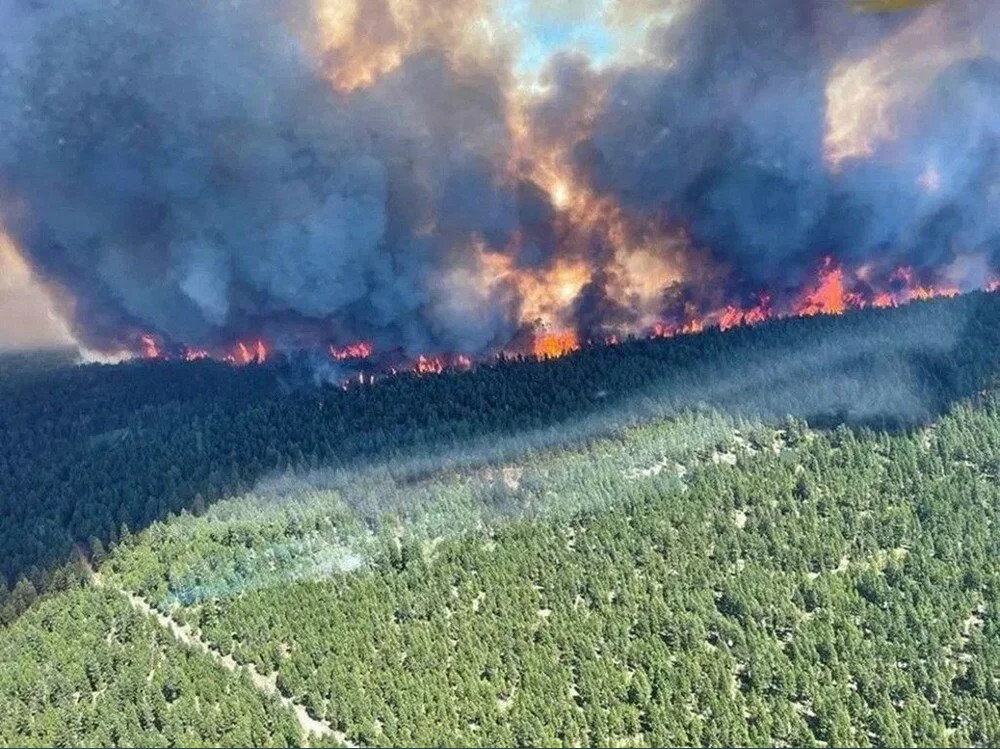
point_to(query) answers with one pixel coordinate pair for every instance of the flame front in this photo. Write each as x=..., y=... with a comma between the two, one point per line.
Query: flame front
x=833, y=291
x=360, y=350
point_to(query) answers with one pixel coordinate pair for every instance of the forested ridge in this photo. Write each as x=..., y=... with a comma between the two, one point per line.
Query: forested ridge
x=87, y=450
x=783, y=534
x=785, y=588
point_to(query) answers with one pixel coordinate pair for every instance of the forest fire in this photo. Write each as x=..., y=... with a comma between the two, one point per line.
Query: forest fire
x=254, y=352
x=828, y=296
x=658, y=192
x=361, y=350
x=150, y=346
x=239, y=354
x=834, y=290
x=428, y=365
x=552, y=345
x=733, y=316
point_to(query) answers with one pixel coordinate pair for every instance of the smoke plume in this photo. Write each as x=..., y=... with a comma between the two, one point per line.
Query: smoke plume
x=312, y=173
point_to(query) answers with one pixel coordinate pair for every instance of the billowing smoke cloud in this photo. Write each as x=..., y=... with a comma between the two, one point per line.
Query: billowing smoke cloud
x=187, y=167
x=210, y=171
x=785, y=130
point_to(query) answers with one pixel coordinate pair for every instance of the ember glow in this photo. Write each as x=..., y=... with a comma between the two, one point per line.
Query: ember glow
x=419, y=185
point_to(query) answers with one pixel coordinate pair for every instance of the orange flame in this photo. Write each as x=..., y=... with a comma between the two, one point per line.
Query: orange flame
x=360, y=350
x=552, y=345
x=247, y=353
x=733, y=316
x=668, y=330
x=835, y=290
x=428, y=365
x=883, y=299
x=914, y=290
x=828, y=297
x=150, y=346
x=830, y=294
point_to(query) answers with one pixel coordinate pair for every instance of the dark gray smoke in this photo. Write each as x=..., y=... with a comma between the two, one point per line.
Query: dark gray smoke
x=725, y=129
x=185, y=167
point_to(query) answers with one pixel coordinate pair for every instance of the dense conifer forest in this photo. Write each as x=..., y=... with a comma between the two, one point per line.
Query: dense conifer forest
x=784, y=534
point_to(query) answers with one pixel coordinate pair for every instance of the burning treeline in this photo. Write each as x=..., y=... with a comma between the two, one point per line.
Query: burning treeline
x=389, y=180
x=832, y=292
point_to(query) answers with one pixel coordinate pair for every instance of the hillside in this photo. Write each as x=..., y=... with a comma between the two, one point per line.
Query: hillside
x=90, y=450
x=713, y=539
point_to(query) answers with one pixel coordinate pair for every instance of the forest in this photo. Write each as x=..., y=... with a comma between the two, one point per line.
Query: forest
x=780, y=534
x=91, y=450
